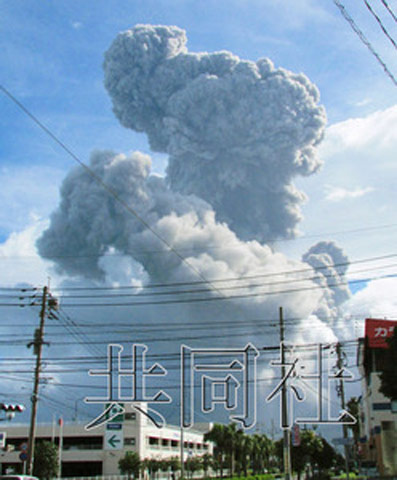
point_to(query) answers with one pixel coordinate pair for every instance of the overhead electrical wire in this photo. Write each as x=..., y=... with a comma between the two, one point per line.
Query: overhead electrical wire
x=380, y=23
x=389, y=10
x=207, y=290
x=364, y=39
x=178, y=292
x=106, y=187
x=259, y=322
x=74, y=329
x=309, y=269
x=219, y=298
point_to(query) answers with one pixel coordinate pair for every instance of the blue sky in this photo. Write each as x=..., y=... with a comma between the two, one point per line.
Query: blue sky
x=51, y=54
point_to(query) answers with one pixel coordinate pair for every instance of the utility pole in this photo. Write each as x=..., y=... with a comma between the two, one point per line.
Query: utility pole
x=341, y=393
x=182, y=450
x=37, y=346
x=284, y=412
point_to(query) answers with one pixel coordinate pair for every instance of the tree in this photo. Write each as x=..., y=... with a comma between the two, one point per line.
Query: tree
x=218, y=437
x=130, y=464
x=310, y=448
x=262, y=448
x=46, y=462
x=243, y=450
x=230, y=445
x=326, y=458
x=153, y=465
x=174, y=464
x=206, y=460
x=388, y=369
x=192, y=464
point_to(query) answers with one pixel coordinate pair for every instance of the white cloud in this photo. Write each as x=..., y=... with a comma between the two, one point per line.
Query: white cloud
x=77, y=25
x=364, y=102
x=359, y=157
x=19, y=260
x=376, y=300
x=336, y=194
x=377, y=131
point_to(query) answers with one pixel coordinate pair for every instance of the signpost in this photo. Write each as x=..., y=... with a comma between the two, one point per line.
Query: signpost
x=116, y=409
x=114, y=439
x=23, y=456
x=114, y=426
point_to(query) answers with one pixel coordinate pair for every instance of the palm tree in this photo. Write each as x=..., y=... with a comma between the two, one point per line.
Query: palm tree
x=261, y=450
x=243, y=451
x=230, y=444
x=217, y=435
x=207, y=463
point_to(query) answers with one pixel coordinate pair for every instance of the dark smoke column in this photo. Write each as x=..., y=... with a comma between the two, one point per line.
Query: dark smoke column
x=236, y=131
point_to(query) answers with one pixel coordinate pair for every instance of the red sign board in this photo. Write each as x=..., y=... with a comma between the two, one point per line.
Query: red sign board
x=378, y=331
x=296, y=436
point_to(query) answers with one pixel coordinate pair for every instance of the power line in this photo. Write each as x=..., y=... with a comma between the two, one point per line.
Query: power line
x=213, y=298
x=389, y=10
x=208, y=290
x=380, y=23
x=223, y=297
x=98, y=179
x=363, y=38
x=73, y=328
x=309, y=269
x=260, y=322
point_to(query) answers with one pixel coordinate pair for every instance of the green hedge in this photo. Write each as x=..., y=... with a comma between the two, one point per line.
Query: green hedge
x=265, y=476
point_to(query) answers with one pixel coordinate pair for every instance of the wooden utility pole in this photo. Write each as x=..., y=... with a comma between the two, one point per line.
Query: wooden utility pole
x=38, y=346
x=284, y=407
x=341, y=393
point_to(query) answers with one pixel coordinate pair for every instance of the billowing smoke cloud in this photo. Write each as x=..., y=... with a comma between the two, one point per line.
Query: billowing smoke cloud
x=331, y=265
x=89, y=224
x=89, y=221
x=236, y=132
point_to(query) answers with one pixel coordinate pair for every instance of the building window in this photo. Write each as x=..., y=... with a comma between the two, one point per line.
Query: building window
x=165, y=442
x=129, y=441
x=381, y=406
x=174, y=443
x=154, y=441
x=82, y=443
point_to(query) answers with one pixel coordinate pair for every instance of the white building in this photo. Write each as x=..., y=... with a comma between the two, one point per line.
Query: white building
x=97, y=451
x=378, y=415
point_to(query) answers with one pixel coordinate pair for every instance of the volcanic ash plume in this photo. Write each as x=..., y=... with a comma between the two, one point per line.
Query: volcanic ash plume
x=90, y=222
x=236, y=132
x=331, y=265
